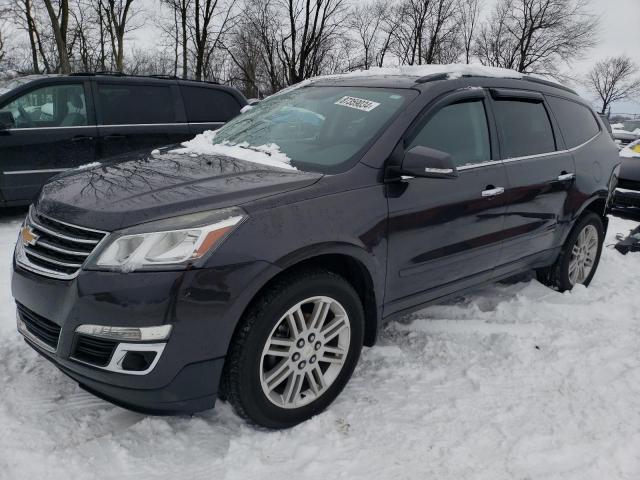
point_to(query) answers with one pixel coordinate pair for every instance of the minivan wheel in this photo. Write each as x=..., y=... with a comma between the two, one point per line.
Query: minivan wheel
x=579, y=257
x=295, y=349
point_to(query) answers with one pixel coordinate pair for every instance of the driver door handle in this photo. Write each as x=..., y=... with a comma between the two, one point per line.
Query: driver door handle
x=115, y=136
x=81, y=138
x=492, y=191
x=565, y=177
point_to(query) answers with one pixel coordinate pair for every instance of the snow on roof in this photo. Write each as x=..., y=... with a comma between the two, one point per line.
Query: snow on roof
x=269, y=155
x=453, y=71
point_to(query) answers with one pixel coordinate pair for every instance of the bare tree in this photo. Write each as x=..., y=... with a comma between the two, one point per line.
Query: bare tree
x=118, y=14
x=210, y=22
x=59, y=18
x=426, y=31
x=365, y=21
x=536, y=35
x=614, y=79
x=469, y=18
x=180, y=12
x=307, y=33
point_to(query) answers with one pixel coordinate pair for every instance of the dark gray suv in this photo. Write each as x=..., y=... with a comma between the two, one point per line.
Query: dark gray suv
x=52, y=123
x=255, y=266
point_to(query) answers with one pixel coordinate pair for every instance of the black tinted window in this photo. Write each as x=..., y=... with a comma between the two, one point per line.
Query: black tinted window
x=460, y=130
x=209, y=104
x=525, y=128
x=135, y=104
x=576, y=121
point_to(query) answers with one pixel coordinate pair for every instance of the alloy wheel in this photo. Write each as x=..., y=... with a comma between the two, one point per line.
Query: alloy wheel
x=305, y=352
x=583, y=255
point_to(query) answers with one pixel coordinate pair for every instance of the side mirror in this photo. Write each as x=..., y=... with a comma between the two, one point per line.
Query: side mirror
x=6, y=121
x=427, y=162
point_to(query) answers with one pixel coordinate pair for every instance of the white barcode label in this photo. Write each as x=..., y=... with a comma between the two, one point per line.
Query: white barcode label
x=357, y=103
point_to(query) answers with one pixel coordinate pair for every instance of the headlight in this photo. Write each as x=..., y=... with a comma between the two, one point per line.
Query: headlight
x=155, y=245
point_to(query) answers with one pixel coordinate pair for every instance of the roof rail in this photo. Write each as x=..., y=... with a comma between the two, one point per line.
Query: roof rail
x=443, y=76
x=548, y=83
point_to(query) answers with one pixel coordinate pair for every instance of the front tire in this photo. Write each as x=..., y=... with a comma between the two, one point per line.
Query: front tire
x=579, y=257
x=295, y=349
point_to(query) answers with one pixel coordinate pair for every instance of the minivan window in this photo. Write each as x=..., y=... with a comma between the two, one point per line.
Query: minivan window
x=525, y=128
x=135, y=104
x=209, y=104
x=577, y=122
x=320, y=129
x=460, y=130
x=53, y=106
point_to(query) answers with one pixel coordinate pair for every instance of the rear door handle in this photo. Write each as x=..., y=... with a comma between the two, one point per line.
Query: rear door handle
x=492, y=192
x=565, y=177
x=81, y=138
x=115, y=136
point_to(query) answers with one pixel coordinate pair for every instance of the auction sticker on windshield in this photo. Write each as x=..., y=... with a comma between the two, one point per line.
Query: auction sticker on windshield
x=357, y=103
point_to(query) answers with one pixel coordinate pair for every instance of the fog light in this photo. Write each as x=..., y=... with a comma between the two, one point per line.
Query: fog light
x=127, y=334
x=137, y=361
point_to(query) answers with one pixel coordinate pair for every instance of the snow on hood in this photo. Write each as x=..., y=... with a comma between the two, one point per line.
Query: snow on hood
x=3, y=91
x=632, y=150
x=269, y=155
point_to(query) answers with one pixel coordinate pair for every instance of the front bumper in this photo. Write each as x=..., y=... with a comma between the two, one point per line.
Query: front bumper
x=202, y=307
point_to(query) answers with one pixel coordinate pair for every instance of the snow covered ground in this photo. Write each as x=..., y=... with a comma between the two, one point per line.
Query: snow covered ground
x=513, y=382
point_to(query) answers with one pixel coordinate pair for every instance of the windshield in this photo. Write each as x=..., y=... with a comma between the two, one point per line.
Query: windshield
x=318, y=128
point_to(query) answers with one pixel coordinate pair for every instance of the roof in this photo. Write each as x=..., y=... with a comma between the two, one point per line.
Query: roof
x=409, y=76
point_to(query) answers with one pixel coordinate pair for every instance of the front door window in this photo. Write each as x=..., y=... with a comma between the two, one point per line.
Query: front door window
x=52, y=106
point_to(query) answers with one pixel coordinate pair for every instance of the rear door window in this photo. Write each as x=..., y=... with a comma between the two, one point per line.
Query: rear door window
x=121, y=104
x=460, y=130
x=53, y=106
x=209, y=104
x=525, y=128
x=577, y=122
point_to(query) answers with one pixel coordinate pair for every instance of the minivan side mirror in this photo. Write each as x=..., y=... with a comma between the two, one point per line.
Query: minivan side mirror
x=6, y=121
x=428, y=162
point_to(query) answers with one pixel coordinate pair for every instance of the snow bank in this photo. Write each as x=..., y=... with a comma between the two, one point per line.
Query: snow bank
x=269, y=155
x=512, y=381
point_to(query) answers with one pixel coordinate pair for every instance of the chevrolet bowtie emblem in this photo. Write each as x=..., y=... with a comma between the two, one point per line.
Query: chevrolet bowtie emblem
x=28, y=237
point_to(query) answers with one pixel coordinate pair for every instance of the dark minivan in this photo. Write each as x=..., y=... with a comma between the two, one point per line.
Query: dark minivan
x=49, y=124
x=254, y=267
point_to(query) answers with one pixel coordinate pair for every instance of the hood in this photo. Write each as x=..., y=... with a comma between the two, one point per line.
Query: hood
x=161, y=184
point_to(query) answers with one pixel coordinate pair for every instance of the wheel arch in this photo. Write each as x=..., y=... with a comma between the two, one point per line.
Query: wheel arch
x=352, y=263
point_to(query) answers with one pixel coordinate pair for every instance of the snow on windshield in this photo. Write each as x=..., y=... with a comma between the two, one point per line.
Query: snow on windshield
x=269, y=154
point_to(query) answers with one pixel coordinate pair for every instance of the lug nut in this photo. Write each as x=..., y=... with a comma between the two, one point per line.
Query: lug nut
x=296, y=357
x=302, y=364
x=317, y=346
x=312, y=337
x=300, y=343
x=312, y=359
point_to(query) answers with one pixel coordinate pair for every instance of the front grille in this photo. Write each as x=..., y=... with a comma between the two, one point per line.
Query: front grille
x=54, y=248
x=96, y=351
x=44, y=330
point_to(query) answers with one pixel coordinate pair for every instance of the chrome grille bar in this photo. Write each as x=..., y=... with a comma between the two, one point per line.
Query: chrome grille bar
x=54, y=248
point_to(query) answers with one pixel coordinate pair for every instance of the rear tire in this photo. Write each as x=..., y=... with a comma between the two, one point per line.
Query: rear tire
x=579, y=256
x=295, y=349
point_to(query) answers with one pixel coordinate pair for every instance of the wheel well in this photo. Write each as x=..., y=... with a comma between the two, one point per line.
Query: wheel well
x=599, y=207
x=355, y=273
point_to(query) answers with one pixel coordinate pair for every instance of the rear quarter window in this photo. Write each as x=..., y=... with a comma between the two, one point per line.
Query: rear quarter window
x=525, y=128
x=577, y=122
x=209, y=104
